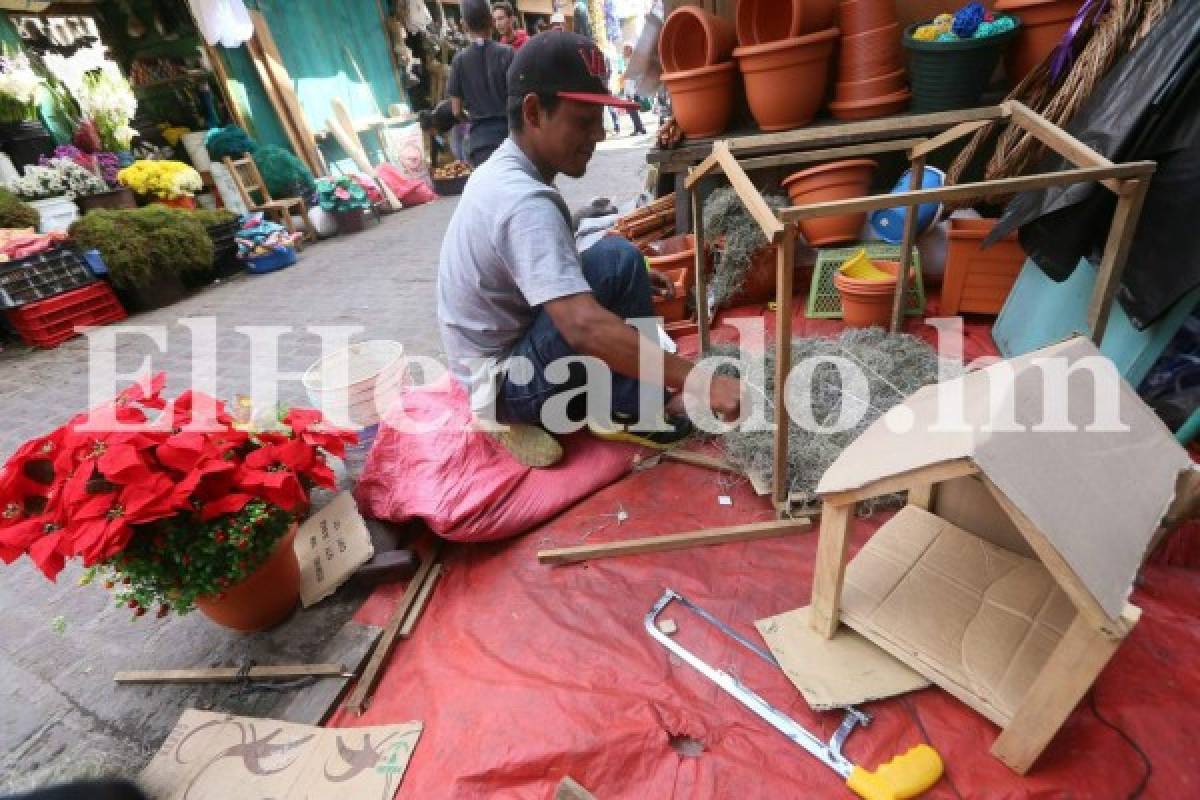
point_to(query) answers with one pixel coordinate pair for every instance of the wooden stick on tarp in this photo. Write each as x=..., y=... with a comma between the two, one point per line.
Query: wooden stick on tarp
x=230, y=674
x=395, y=629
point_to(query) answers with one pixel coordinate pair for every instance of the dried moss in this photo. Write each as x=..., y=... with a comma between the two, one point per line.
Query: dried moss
x=16, y=214
x=895, y=366
x=737, y=238
x=138, y=245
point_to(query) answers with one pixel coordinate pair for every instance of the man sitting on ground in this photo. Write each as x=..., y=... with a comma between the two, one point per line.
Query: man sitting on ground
x=514, y=292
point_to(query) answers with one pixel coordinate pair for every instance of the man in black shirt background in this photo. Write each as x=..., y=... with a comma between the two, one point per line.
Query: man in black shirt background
x=478, y=86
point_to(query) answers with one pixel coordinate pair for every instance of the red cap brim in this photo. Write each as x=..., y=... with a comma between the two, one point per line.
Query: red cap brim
x=599, y=99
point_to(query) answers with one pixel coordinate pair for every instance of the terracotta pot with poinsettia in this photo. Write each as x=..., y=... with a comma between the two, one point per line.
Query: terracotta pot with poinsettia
x=169, y=504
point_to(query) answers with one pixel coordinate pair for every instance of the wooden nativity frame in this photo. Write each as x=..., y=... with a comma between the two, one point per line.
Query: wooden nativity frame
x=738, y=155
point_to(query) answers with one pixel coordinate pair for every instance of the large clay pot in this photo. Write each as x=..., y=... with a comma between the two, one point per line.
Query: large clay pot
x=702, y=99
x=1043, y=23
x=870, y=55
x=766, y=21
x=675, y=252
x=872, y=107
x=860, y=16
x=265, y=598
x=839, y=180
x=785, y=81
x=759, y=284
x=692, y=38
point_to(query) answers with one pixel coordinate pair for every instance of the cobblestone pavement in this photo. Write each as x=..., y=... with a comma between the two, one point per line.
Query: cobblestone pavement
x=59, y=712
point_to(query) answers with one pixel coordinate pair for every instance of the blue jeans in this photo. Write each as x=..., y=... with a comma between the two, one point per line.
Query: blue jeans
x=616, y=271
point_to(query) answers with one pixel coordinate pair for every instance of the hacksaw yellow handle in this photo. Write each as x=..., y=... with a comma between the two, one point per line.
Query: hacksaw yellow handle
x=907, y=775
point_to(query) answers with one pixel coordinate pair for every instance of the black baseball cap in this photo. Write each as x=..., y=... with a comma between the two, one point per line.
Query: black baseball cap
x=565, y=64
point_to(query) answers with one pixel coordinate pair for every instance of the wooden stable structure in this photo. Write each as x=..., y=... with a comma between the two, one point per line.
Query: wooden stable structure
x=916, y=136
x=1006, y=578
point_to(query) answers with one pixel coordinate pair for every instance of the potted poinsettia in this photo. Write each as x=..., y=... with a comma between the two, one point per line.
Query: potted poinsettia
x=171, y=505
x=346, y=200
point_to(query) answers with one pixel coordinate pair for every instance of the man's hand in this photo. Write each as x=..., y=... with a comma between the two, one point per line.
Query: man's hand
x=724, y=398
x=661, y=285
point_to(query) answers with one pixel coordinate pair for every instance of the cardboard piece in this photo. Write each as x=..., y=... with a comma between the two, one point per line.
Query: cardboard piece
x=330, y=546
x=214, y=756
x=1096, y=497
x=977, y=619
x=834, y=673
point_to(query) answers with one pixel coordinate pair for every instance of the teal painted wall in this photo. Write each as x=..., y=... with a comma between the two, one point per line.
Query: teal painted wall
x=248, y=94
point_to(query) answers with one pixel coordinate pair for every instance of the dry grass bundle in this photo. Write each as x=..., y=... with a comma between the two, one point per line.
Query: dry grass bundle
x=736, y=237
x=894, y=364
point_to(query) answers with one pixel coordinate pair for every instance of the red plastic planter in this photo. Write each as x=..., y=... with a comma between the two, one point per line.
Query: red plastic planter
x=767, y=21
x=978, y=281
x=702, y=98
x=1043, y=23
x=839, y=180
x=49, y=323
x=860, y=16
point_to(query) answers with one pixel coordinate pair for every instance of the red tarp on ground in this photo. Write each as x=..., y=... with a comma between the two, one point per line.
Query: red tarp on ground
x=524, y=673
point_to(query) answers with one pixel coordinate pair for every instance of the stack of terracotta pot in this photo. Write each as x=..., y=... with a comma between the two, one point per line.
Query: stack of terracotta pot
x=785, y=48
x=1043, y=23
x=871, y=80
x=694, y=47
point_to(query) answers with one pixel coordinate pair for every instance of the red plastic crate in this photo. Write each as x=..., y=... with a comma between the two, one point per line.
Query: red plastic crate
x=50, y=322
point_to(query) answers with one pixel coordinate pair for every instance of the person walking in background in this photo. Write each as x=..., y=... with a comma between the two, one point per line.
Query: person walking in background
x=478, y=85
x=628, y=89
x=507, y=25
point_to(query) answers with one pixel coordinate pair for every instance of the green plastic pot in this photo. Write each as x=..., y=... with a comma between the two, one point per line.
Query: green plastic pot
x=945, y=76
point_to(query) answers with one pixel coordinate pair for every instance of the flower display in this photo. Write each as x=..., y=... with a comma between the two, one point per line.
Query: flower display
x=164, y=179
x=106, y=99
x=56, y=177
x=102, y=163
x=19, y=89
x=165, y=501
x=342, y=193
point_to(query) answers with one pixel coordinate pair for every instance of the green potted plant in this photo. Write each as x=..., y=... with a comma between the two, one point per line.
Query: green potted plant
x=346, y=200
x=147, y=251
x=171, y=516
x=22, y=134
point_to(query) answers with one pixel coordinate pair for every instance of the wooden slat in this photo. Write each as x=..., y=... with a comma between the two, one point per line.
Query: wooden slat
x=700, y=266
x=830, y=568
x=222, y=75
x=391, y=632
x=785, y=263
x=1116, y=253
x=937, y=473
x=772, y=228
x=700, y=460
x=418, y=607
x=1060, y=141
x=959, y=131
x=1068, y=673
x=921, y=496
x=825, y=154
x=273, y=96
x=967, y=191
x=287, y=93
x=351, y=645
x=674, y=541
x=697, y=173
x=908, y=238
x=230, y=674
x=1081, y=597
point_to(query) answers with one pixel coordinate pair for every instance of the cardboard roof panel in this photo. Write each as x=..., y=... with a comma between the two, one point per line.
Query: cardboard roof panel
x=1096, y=496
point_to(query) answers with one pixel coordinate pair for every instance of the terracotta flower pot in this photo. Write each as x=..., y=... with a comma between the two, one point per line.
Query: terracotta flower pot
x=674, y=309
x=871, y=108
x=871, y=54
x=867, y=304
x=766, y=21
x=676, y=252
x=759, y=284
x=839, y=180
x=860, y=16
x=265, y=598
x=785, y=81
x=692, y=38
x=702, y=98
x=1043, y=23
x=978, y=281
x=870, y=89
x=187, y=202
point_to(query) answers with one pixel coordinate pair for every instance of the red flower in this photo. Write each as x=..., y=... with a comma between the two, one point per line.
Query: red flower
x=103, y=524
x=310, y=425
x=272, y=473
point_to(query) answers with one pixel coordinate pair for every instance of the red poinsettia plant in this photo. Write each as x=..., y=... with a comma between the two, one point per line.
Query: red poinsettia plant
x=166, y=501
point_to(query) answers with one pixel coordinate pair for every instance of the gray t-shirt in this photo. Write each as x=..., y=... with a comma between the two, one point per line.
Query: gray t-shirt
x=509, y=249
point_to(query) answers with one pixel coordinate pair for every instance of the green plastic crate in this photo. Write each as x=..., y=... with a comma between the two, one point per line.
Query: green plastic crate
x=824, y=302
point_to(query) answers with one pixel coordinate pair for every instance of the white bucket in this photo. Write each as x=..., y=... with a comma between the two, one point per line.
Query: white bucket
x=55, y=214
x=354, y=386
